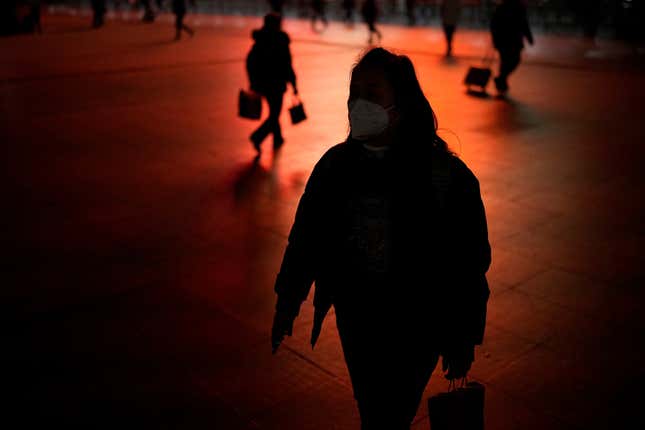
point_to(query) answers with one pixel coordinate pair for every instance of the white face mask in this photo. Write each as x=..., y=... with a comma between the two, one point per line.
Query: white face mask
x=367, y=119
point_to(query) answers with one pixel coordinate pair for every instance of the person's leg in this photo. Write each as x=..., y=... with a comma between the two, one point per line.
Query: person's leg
x=448, y=30
x=512, y=62
x=187, y=29
x=275, y=108
x=179, y=24
x=372, y=30
x=260, y=133
x=509, y=60
x=389, y=383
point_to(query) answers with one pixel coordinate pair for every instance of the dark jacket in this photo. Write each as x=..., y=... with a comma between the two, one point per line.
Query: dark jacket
x=439, y=254
x=509, y=26
x=268, y=64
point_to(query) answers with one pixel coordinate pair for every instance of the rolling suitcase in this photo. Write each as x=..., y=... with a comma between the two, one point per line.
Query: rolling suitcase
x=479, y=76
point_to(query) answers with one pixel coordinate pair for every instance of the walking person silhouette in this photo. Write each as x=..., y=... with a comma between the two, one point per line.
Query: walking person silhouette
x=179, y=9
x=509, y=26
x=99, y=10
x=348, y=8
x=450, y=11
x=276, y=6
x=269, y=69
x=370, y=13
x=318, y=13
x=392, y=229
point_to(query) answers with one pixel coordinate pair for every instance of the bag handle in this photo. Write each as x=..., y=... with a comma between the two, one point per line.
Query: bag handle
x=452, y=384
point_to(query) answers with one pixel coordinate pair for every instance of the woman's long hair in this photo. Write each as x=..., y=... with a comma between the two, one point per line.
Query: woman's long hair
x=418, y=125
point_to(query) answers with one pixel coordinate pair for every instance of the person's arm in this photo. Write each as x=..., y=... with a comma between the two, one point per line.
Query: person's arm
x=297, y=271
x=291, y=74
x=292, y=80
x=474, y=260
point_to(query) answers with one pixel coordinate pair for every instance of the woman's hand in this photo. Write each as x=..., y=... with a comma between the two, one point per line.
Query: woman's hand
x=282, y=326
x=457, y=361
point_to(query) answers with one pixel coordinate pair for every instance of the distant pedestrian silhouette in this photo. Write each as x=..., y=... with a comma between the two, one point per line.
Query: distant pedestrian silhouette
x=410, y=11
x=370, y=13
x=392, y=229
x=509, y=26
x=450, y=11
x=148, y=13
x=318, y=13
x=276, y=6
x=348, y=8
x=98, y=9
x=179, y=9
x=269, y=70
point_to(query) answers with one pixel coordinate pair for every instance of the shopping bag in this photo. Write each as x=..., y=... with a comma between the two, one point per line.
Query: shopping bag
x=478, y=76
x=459, y=408
x=249, y=104
x=297, y=112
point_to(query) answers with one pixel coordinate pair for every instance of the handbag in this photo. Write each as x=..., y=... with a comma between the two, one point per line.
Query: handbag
x=459, y=408
x=249, y=105
x=297, y=112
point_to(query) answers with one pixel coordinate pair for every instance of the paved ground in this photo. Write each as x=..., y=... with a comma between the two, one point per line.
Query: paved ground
x=141, y=241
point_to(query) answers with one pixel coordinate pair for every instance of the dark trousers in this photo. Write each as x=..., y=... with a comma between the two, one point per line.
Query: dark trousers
x=371, y=26
x=272, y=123
x=449, y=31
x=389, y=368
x=508, y=62
x=179, y=21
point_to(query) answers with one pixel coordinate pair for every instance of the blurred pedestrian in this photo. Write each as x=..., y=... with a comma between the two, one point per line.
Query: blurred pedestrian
x=392, y=230
x=348, y=15
x=34, y=16
x=276, y=6
x=148, y=13
x=318, y=14
x=410, y=11
x=179, y=9
x=269, y=68
x=99, y=10
x=450, y=11
x=509, y=27
x=370, y=12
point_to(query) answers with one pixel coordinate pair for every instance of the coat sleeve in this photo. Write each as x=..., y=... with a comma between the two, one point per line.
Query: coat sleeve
x=291, y=75
x=298, y=270
x=474, y=259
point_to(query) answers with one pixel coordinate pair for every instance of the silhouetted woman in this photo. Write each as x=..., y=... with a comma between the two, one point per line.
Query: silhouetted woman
x=509, y=26
x=392, y=229
x=179, y=9
x=370, y=14
x=269, y=69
